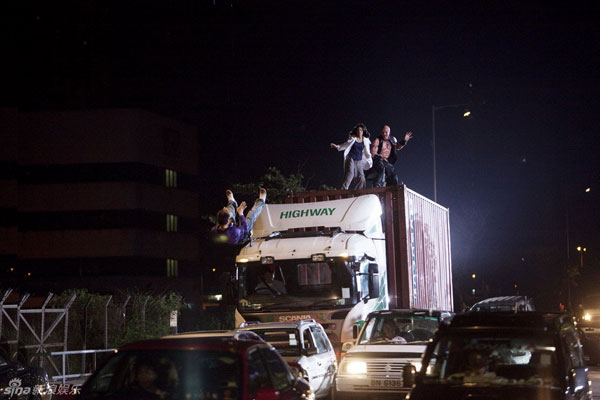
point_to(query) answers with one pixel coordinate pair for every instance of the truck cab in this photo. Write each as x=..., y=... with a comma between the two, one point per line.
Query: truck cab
x=334, y=274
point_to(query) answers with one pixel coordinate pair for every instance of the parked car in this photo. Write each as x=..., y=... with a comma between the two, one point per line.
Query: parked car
x=525, y=355
x=390, y=345
x=198, y=365
x=304, y=343
x=504, y=303
x=22, y=382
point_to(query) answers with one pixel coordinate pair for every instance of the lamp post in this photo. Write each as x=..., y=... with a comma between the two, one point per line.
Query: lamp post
x=433, y=110
x=581, y=250
x=567, y=234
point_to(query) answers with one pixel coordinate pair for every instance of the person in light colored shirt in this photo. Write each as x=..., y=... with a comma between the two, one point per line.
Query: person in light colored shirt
x=357, y=157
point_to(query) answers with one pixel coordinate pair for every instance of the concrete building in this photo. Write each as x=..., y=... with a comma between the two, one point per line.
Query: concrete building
x=97, y=193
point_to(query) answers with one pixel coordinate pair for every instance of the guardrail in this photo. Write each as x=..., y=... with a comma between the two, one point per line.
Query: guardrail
x=64, y=376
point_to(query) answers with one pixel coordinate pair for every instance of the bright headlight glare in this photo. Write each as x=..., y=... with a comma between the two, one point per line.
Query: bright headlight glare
x=417, y=366
x=356, y=367
x=587, y=317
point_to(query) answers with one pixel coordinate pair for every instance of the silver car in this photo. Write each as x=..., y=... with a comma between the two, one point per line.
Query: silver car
x=304, y=343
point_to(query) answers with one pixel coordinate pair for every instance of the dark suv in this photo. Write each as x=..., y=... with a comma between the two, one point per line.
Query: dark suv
x=202, y=365
x=496, y=355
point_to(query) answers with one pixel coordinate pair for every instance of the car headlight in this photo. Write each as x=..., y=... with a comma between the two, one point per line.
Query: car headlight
x=417, y=366
x=356, y=367
x=587, y=317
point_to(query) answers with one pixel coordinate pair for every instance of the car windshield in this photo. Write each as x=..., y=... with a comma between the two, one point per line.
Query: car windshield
x=286, y=341
x=497, y=359
x=167, y=374
x=398, y=329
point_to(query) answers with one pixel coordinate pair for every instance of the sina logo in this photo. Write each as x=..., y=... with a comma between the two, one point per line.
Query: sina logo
x=14, y=388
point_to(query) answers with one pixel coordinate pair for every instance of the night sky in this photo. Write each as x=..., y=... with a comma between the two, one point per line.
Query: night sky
x=272, y=83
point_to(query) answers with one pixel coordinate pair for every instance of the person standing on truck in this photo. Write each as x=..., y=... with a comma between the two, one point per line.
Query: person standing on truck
x=357, y=156
x=384, y=156
x=226, y=228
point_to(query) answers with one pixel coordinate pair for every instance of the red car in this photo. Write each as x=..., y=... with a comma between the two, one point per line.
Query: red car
x=203, y=365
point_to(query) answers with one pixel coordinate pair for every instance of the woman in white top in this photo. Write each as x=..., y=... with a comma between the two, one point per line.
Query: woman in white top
x=357, y=156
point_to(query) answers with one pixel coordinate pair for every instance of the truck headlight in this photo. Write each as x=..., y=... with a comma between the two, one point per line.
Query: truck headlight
x=417, y=366
x=587, y=317
x=356, y=367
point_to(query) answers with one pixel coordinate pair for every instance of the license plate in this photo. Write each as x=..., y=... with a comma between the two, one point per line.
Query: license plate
x=391, y=383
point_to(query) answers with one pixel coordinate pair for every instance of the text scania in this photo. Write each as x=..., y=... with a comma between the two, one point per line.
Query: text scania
x=288, y=318
x=314, y=212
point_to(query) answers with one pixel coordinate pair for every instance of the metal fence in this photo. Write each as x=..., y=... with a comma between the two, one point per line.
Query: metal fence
x=64, y=376
x=59, y=333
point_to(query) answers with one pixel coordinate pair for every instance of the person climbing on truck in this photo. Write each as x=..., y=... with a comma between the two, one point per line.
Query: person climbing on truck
x=226, y=230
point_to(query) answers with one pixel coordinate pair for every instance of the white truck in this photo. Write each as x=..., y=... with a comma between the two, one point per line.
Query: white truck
x=340, y=255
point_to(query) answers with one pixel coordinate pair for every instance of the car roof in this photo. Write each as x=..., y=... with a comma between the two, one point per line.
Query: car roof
x=411, y=313
x=216, y=335
x=503, y=300
x=256, y=325
x=202, y=340
x=525, y=320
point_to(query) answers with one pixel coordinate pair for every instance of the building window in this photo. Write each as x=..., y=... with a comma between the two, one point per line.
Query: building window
x=172, y=268
x=171, y=223
x=170, y=178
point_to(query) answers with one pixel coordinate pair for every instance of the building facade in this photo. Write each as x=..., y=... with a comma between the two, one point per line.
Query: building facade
x=97, y=193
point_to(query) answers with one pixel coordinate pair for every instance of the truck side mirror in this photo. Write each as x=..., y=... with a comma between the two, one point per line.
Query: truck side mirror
x=354, y=331
x=373, y=282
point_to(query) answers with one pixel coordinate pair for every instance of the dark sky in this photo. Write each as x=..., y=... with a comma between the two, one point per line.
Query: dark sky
x=272, y=83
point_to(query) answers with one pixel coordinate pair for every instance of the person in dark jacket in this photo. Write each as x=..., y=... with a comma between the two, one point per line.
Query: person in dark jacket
x=226, y=228
x=383, y=150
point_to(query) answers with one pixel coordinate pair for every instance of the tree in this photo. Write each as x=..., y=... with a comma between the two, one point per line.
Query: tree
x=278, y=186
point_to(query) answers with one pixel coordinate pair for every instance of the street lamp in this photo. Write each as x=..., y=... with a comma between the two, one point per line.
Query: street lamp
x=466, y=114
x=581, y=250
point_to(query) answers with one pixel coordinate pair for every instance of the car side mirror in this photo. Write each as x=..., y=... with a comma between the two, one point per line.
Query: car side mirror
x=297, y=370
x=267, y=394
x=311, y=351
x=355, y=332
x=373, y=281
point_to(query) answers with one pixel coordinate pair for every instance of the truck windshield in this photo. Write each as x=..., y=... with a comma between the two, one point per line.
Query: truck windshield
x=322, y=282
x=398, y=329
